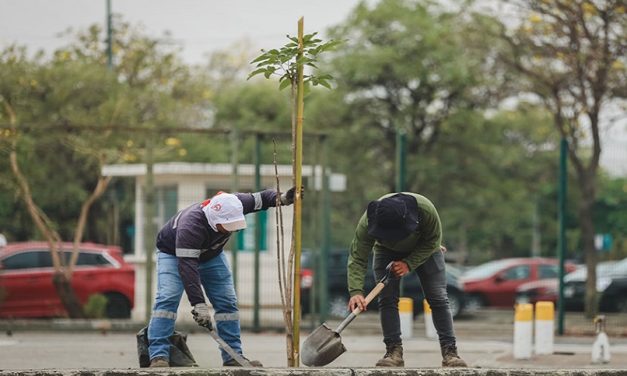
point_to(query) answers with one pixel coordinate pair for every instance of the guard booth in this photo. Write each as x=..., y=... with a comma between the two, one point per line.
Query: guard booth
x=179, y=185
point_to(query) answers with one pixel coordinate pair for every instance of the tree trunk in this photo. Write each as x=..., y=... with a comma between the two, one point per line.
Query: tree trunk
x=101, y=186
x=61, y=281
x=63, y=285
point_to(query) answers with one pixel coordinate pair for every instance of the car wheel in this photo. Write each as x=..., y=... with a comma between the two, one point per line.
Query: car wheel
x=118, y=306
x=338, y=306
x=455, y=304
x=474, y=302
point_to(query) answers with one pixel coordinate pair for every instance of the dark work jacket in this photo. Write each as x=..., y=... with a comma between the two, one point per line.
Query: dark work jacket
x=189, y=230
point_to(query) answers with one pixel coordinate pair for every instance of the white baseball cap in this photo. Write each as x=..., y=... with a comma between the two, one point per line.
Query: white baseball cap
x=225, y=209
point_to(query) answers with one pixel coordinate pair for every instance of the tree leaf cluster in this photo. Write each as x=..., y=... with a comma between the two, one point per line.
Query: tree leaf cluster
x=283, y=62
x=73, y=113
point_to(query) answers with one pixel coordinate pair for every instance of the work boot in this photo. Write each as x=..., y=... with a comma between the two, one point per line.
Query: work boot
x=393, y=356
x=450, y=357
x=233, y=363
x=160, y=361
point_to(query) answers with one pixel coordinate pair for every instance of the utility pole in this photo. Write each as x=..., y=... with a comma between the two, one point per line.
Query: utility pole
x=109, y=36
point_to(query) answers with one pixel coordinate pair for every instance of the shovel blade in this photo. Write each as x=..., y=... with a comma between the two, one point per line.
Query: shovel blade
x=321, y=347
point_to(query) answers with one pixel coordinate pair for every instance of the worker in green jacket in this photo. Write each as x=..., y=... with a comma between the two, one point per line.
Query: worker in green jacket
x=403, y=229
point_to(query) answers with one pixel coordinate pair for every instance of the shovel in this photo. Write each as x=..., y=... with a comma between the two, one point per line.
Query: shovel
x=225, y=346
x=324, y=345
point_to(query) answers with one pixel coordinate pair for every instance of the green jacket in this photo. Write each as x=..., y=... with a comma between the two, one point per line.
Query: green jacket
x=417, y=247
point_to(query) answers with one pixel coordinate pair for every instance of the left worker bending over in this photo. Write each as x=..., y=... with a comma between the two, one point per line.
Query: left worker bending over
x=189, y=256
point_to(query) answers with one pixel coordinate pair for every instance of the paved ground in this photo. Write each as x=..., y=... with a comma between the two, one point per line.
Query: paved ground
x=59, y=350
x=485, y=343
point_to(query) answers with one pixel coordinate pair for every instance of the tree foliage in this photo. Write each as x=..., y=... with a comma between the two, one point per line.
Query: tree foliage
x=571, y=54
x=404, y=65
x=71, y=108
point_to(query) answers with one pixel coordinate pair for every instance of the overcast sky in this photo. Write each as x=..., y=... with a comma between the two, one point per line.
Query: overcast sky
x=202, y=26
x=199, y=26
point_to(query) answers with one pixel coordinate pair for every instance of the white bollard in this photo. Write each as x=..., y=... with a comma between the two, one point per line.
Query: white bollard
x=545, y=314
x=406, y=314
x=430, y=331
x=601, y=352
x=523, y=325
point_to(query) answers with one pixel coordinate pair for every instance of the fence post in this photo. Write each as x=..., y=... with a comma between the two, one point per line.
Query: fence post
x=256, y=326
x=150, y=230
x=561, y=241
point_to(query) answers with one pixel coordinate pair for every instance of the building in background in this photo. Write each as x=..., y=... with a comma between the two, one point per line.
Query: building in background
x=179, y=185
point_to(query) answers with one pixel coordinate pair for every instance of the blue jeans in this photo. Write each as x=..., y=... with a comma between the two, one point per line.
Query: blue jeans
x=432, y=275
x=217, y=282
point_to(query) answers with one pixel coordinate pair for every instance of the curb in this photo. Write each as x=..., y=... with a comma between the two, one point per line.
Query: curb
x=316, y=372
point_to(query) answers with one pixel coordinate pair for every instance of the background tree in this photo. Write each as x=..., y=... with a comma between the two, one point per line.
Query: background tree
x=404, y=68
x=76, y=95
x=571, y=55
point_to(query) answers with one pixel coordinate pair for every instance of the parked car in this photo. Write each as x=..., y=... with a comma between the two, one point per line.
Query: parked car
x=494, y=283
x=542, y=290
x=611, y=286
x=338, y=290
x=27, y=291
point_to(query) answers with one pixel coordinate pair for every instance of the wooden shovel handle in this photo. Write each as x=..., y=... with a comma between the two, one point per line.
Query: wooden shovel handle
x=370, y=297
x=375, y=291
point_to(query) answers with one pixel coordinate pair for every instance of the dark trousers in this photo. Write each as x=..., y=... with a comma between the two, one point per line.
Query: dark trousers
x=432, y=276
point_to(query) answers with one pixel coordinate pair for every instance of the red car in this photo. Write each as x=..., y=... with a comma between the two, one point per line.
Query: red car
x=26, y=288
x=543, y=290
x=495, y=283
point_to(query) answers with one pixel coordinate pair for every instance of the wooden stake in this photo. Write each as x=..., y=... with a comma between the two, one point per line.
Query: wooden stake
x=298, y=162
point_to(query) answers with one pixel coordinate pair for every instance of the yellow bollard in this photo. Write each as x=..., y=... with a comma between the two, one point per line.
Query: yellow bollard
x=544, y=337
x=430, y=331
x=406, y=314
x=523, y=324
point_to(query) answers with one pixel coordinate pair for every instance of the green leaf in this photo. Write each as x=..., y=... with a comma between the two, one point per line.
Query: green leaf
x=324, y=83
x=260, y=58
x=256, y=72
x=269, y=71
x=285, y=83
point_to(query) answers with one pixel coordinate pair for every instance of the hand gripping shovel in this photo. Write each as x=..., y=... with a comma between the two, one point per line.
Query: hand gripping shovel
x=324, y=345
x=225, y=346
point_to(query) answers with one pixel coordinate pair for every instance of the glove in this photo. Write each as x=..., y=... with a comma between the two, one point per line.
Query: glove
x=202, y=315
x=287, y=198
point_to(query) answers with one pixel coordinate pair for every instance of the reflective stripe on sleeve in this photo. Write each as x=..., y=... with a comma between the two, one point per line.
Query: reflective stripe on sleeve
x=187, y=252
x=233, y=316
x=258, y=202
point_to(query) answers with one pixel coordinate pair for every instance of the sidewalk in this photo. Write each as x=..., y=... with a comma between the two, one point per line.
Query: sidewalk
x=66, y=345
x=94, y=350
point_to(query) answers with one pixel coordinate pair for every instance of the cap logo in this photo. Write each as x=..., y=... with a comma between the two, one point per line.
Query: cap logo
x=217, y=207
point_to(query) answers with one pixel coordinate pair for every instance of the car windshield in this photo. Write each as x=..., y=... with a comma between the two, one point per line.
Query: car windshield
x=487, y=269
